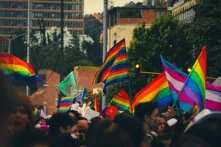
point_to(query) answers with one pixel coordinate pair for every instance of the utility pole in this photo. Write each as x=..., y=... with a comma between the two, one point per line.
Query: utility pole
x=62, y=39
x=28, y=41
x=104, y=43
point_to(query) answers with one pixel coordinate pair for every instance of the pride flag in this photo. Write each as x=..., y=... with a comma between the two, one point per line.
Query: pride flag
x=176, y=79
x=193, y=91
x=213, y=97
x=65, y=103
x=119, y=70
x=122, y=101
x=105, y=68
x=16, y=69
x=96, y=104
x=157, y=90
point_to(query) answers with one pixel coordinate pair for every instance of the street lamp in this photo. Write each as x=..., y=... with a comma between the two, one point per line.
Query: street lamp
x=10, y=39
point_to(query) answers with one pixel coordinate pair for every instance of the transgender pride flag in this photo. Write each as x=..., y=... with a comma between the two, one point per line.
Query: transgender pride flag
x=213, y=97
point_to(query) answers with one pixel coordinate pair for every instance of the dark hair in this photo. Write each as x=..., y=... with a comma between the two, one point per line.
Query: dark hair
x=65, y=140
x=208, y=129
x=96, y=130
x=29, y=137
x=191, y=141
x=126, y=131
x=143, y=109
x=59, y=120
x=75, y=113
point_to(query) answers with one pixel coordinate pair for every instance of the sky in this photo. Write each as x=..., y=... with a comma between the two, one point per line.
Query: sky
x=94, y=6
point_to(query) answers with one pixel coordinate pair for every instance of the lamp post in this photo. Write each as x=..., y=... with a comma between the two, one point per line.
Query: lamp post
x=105, y=2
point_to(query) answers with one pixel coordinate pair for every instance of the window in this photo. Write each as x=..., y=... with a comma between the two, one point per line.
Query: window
x=130, y=13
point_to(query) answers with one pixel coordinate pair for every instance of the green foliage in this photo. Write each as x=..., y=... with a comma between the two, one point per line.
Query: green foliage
x=93, y=50
x=92, y=26
x=73, y=56
x=205, y=30
x=165, y=37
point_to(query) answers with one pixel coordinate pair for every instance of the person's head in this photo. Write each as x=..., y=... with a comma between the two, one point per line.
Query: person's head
x=74, y=114
x=75, y=133
x=149, y=113
x=96, y=130
x=125, y=131
x=207, y=129
x=30, y=138
x=60, y=123
x=21, y=115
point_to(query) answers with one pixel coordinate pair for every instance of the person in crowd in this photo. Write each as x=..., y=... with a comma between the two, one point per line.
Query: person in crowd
x=207, y=129
x=153, y=123
x=82, y=125
x=125, y=131
x=30, y=138
x=60, y=129
x=96, y=130
x=74, y=114
x=21, y=117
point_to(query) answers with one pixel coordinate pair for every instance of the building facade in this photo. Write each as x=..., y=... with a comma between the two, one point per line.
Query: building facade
x=184, y=10
x=43, y=13
x=123, y=20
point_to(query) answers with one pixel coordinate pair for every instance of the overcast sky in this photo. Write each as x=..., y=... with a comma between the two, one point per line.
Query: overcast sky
x=94, y=6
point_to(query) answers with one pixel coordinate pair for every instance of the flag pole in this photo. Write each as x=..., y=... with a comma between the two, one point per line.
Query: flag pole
x=104, y=44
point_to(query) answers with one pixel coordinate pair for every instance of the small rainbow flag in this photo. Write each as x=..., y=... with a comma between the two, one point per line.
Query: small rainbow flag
x=122, y=101
x=65, y=103
x=105, y=68
x=96, y=104
x=16, y=69
x=193, y=91
x=119, y=70
x=157, y=90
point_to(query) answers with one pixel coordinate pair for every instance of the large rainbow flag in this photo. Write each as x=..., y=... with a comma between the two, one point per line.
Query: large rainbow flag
x=157, y=90
x=122, y=101
x=193, y=91
x=16, y=69
x=66, y=102
x=119, y=70
x=105, y=68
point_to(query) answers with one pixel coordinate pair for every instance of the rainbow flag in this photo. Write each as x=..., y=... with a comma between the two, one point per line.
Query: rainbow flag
x=16, y=69
x=122, y=101
x=65, y=103
x=119, y=70
x=157, y=90
x=96, y=104
x=105, y=68
x=193, y=91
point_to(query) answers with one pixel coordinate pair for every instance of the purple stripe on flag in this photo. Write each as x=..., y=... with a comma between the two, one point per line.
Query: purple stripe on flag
x=190, y=95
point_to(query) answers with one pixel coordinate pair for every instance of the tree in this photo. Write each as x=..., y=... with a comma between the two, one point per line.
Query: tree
x=205, y=30
x=165, y=37
x=92, y=26
x=93, y=50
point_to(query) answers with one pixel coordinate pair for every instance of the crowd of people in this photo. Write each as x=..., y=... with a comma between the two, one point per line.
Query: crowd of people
x=146, y=127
